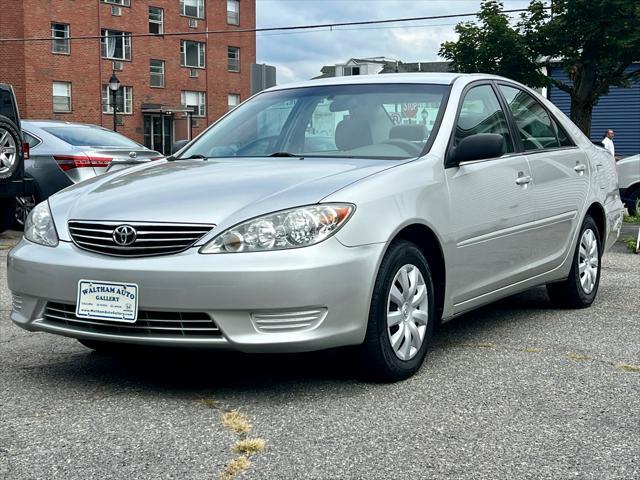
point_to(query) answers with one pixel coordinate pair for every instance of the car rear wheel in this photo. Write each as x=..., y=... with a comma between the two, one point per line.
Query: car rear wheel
x=401, y=317
x=10, y=148
x=632, y=202
x=580, y=288
x=24, y=205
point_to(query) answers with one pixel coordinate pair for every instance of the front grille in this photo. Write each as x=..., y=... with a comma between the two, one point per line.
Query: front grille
x=149, y=323
x=150, y=238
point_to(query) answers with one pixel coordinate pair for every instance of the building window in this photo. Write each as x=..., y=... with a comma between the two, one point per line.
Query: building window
x=156, y=70
x=156, y=20
x=124, y=100
x=59, y=38
x=233, y=100
x=351, y=71
x=61, y=97
x=116, y=45
x=195, y=100
x=192, y=54
x=233, y=12
x=124, y=3
x=192, y=8
x=233, y=59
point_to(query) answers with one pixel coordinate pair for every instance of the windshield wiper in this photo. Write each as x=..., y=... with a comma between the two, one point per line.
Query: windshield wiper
x=284, y=154
x=195, y=156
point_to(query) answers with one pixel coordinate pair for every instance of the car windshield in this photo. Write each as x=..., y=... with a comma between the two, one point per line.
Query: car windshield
x=357, y=121
x=90, y=136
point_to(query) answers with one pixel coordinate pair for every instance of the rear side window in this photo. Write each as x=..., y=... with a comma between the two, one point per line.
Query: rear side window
x=537, y=129
x=85, y=136
x=481, y=113
x=30, y=139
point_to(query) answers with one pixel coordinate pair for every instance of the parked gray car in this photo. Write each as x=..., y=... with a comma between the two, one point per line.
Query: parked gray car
x=629, y=174
x=65, y=153
x=247, y=239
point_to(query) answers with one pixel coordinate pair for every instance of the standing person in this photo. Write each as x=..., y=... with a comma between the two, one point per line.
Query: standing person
x=607, y=142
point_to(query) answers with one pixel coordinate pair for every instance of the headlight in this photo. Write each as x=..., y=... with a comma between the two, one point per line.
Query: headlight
x=298, y=227
x=39, y=226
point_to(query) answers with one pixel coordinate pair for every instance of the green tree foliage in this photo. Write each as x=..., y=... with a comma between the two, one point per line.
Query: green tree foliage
x=594, y=41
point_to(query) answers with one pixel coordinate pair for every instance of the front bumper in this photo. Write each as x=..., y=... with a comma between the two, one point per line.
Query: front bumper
x=235, y=290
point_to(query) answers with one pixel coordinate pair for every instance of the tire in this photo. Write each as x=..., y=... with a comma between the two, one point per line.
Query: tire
x=10, y=149
x=632, y=202
x=379, y=358
x=7, y=213
x=572, y=292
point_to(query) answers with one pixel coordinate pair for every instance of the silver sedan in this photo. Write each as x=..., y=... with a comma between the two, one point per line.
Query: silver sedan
x=439, y=194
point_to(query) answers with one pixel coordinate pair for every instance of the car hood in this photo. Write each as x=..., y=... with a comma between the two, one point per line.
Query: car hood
x=215, y=191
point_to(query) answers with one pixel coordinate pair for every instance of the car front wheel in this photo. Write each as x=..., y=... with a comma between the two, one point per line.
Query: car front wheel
x=580, y=288
x=401, y=317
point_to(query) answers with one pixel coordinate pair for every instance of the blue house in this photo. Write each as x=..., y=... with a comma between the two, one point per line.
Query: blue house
x=619, y=110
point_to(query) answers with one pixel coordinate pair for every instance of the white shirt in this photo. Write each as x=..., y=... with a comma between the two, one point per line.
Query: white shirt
x=608, y=144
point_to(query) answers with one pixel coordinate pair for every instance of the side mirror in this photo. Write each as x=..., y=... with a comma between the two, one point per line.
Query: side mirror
x=476, y=147
x=178, y=145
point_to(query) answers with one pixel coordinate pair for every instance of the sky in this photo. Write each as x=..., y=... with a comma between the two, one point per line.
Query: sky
x=301, y=55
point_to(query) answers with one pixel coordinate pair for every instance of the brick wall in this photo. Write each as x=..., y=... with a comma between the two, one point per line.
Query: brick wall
x=34, y=67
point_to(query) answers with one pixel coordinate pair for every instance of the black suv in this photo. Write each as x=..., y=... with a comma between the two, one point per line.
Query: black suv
x=12, y=153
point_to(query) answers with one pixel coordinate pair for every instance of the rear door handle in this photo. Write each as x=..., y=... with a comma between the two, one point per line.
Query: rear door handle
x=580, y=168
x=523, y=179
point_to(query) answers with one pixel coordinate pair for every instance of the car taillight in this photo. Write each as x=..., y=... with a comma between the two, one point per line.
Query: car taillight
x=26, y=150
x=69, y=162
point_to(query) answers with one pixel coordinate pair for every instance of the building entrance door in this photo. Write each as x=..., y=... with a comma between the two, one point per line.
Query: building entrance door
x=158, y=133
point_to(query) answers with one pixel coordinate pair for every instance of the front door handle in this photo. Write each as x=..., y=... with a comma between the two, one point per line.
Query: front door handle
x=523, y=179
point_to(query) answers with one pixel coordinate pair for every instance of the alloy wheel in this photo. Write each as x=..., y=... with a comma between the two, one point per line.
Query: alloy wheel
x=8, y=151
x=24, y=205
x=588, y=261
x=407, y=312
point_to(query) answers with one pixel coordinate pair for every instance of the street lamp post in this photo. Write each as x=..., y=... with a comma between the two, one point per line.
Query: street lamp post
x=114, y=86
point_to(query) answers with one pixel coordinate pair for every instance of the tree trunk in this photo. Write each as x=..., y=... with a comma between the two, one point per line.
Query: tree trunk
x=581, y=113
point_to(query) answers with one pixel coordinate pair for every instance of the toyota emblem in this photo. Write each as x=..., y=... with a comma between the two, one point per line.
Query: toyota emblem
x=124, y=235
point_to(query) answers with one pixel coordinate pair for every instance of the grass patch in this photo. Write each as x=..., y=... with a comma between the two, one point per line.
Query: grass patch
x=630, y=242
x=207, y=402
x=236, y=421
x=235, y=467
x=632, y=219
x=629, y=368
x=576, y=357
x=250, y=446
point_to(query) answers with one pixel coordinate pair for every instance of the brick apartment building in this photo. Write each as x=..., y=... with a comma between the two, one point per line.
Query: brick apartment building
x=162, y=77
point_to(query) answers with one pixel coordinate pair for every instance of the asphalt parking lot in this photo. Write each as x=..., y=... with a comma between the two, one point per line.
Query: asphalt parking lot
x=515, y=390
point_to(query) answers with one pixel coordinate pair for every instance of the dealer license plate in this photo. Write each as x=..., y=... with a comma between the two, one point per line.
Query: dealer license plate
x=117, y=302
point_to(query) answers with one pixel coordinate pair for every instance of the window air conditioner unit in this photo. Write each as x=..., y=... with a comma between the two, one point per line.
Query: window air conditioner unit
x=118, y=66
x=193, y=73
x=193, y=23
x=116, y=11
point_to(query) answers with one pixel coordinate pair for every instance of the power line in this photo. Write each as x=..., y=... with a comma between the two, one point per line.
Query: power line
x=264, y=29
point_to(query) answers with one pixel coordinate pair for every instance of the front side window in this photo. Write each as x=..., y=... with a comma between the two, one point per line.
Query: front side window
x=60, y=38
x=61, y=97
x=196, y=101
x=233, y=12
x=233, y=59
x=156, y=20
x=327, y=121
x=480, y=112
x=124, y=100
x=536, y=128
x=192, y=8
x=116, y=45
x=192, y=54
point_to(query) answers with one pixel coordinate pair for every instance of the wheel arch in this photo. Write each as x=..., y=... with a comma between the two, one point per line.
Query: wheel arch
x=596, y=211
x=429, y=244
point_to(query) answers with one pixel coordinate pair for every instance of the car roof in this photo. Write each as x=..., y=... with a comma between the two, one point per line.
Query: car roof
x=445, y=78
